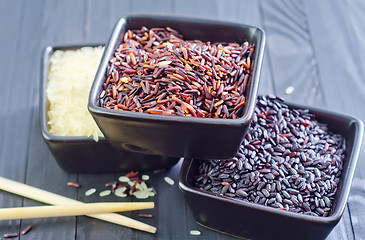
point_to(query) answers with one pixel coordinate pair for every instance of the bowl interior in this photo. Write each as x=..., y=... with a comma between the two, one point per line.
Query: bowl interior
x=191, y=29
x=44, y=104
x=350, y=128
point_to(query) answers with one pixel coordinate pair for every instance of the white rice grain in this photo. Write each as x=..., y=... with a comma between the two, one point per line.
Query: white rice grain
x=195, y=232
x=169, y=180
x=89, y=192
x=105, y=193
x=70, y=76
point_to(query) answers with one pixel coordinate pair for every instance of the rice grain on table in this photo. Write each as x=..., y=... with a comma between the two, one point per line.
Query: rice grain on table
x=70, y=76
x=120, y=192
x=144, y=193
x=289, y=90
x=123, y=179
x=11, y=235
x=90, y=191
x=145, y=177
x=146, y=215
x=74, y=184
x=105, y=193
x=195, y=232
x=169, y=181
x=27, y=229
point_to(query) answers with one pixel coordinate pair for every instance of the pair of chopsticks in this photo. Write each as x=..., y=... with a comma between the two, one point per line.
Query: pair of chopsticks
x=70, y=207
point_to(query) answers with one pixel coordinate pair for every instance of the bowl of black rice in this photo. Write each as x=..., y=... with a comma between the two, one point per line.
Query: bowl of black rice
x=290, y=178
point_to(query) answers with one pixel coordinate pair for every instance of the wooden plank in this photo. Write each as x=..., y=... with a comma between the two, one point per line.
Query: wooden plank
x=88, y=228
x=15, y=110
x=339, y=54
x=290, y=52
x=168, y=205
x=341, y=61
x=64, y=23
x=356, y=19
x=49, y=23
x=43, y=172
x=118, y=9
x=11, y=117
x=171, y=218
x=196, y=9
x=356, y=201
x=343, y=229
x=101, y=17
x=97, y=24
x=152, y=7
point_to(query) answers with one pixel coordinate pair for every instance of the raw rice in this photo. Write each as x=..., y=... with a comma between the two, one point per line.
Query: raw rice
x=195, y=232
x=169, y=180
x=70, y=77
x=89, y=192
x=105, y=193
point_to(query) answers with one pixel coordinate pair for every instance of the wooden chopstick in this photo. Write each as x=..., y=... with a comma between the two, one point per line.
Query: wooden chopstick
x=55, y=199
x=71, y=210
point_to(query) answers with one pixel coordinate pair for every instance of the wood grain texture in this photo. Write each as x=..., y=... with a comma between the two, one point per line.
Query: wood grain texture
x=98, y=22
x=290, y=52
x=101, y=17
x=315, y=46
x=343, y=229
x=14, y=118
x=341, y=61
x=92, y=228
x=63, y=22
x=11, y=127
x=152, y=7
x=42, y=169
x=43, y=172
x=339, y=55
x=196, y=8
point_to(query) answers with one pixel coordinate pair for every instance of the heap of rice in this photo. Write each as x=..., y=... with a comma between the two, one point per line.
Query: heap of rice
x=70, y=77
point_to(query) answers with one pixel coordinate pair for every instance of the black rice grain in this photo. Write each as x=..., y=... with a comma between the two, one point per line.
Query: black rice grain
x=287, y=160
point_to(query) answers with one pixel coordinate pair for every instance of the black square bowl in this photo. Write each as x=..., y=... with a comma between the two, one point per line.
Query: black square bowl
x=178, y=136
x=83, y=154
x=250, y=220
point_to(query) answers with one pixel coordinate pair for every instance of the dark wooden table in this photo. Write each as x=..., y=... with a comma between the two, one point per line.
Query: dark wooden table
x=317, y=47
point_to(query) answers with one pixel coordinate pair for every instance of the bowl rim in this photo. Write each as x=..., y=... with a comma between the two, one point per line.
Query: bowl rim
x=136, y=116
x=353, y=155
x=45, y=61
